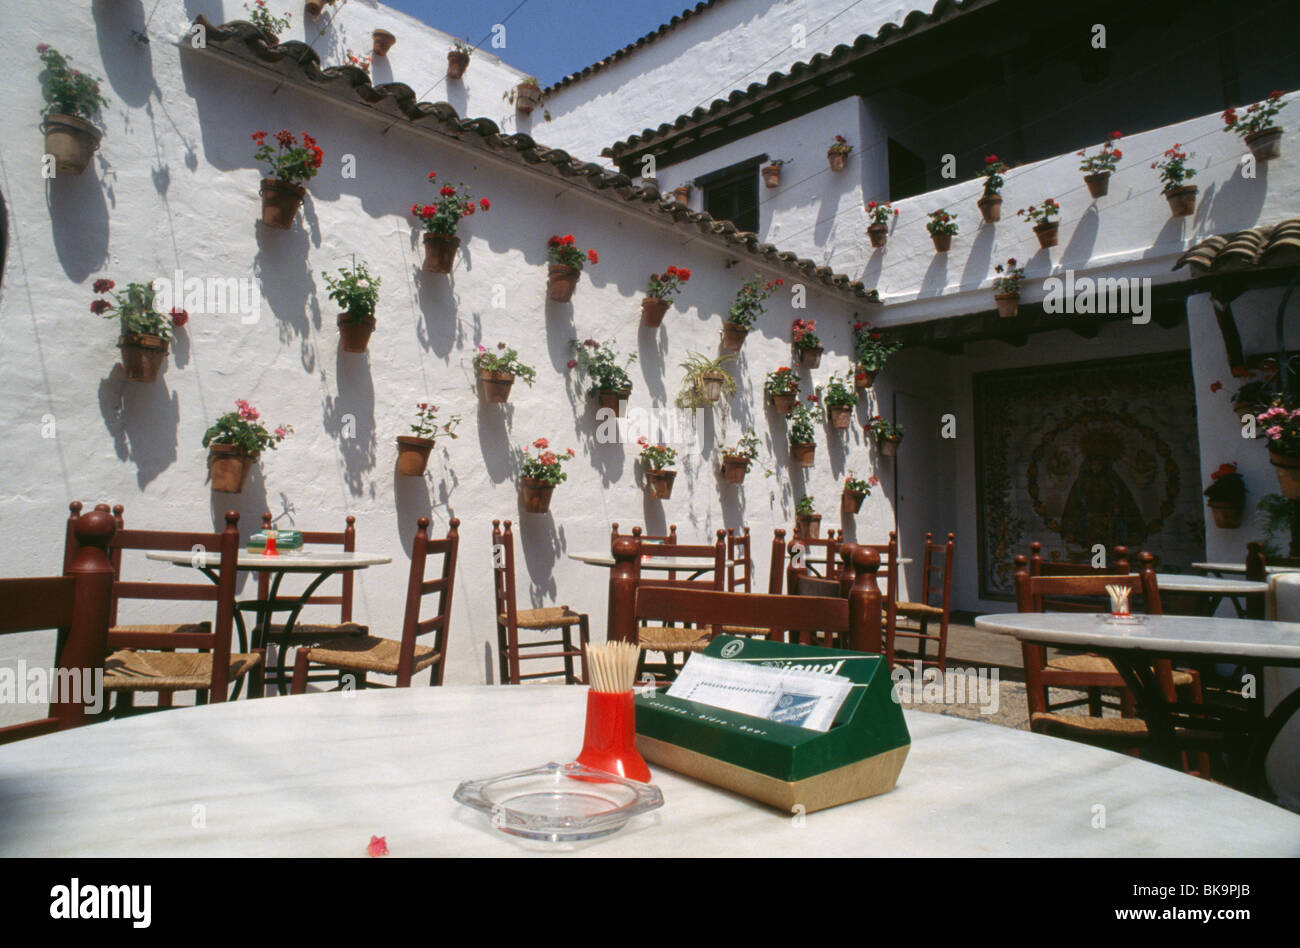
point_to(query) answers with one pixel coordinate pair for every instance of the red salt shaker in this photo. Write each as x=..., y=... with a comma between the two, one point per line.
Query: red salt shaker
x=609, y=743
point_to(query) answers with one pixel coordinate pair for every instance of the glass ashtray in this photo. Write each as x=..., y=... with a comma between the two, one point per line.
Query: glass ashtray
x=558, y=802
x=1111, y=619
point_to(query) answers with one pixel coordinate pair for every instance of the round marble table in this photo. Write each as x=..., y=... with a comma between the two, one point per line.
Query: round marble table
x=319, y=774
x=1218, y=569
x=1206, y=592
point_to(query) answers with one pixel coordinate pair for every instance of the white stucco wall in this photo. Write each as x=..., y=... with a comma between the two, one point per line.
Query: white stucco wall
x=175, y=187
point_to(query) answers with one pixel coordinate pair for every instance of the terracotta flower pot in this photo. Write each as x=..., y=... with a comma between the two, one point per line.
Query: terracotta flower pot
x=1266, y=144
x=536, y=494
x=808, y=526
x=712, y=383
x=851, y=501
x=771, y=176
x=733, y=336
x=314, y=7
x=71, y=140
x=561, y=281
x=1047, y=233
x=142, y=356
x=383, y=41
x=682, y=195
x=1098, y=184
x=457, y=63
x=810, y=358
x=942, y=242
x=354, y=335
x=863, y=379
x=888, y=446
x=1182, y=200
x=496, y=386
x=412, y=455
x=804, y=452
x=878, y=234
x=440, y=252
x=660, y=483
x=1288, y=474
x=836, y=159
x=734, y=468
x=652, y=311
x=229, y=466
x=614, y=400
x=280, y=202
x=784, y=404
x=1008, y=304
x=990, y=208
x=1227, y=516
x=527, y=97
x=840, y=416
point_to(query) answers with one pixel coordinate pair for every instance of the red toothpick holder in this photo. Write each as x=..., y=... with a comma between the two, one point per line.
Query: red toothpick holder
x=271, y=549
x=609, y=743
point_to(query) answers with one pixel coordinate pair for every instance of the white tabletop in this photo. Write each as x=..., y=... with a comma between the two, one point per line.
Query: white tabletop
x=1210, y=585
x=1260, y=639
x=308, y=561
x=1241, y=568
x=665, y=563
x=319, y=774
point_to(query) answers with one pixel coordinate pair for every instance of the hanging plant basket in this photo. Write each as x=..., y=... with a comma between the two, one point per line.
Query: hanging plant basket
x=1182, y=200
x=229, y=465
x=682, y=195
x=810, y=358
x=1265, y=145
x=440, y=252
x=863, y=379
x=71, y=140
x=527, y=97
x=561, y=281
x=771, y=176
x=711, y=386
x=942, y=242
x=784, y=404
x=888, y=446
x=733, y=336
x=1227, y=516
x=851, y=501
x=354, y=335
x=660, y=483
x=840, y=416
x=142, y=356
x=878, y=234
x=383, y=41
x=536, y=495
x=457, y=63
x=1047, y=233
x=990, y=208
x=836, y=159
x=496, y=386
x=1008, y=304
x=614, y=400
x=805, y=453
x=808, y=526
x=734, y=468
x=412, y=455
x=653, y=310
x=1098, y=184
x=1288, y=474
x=280, y=202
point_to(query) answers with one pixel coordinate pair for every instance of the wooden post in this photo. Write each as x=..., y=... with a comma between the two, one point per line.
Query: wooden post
x=624, y=577
x=414, y=594
x=864, y=602
x=86, y=646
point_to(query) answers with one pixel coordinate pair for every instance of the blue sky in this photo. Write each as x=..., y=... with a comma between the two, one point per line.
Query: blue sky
x=548, y=38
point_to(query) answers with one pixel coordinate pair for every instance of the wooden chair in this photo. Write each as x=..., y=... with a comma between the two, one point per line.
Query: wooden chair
x=143, y=657
x=510, y=651
x=816, y=557
x=888, y=553
x=740, y=571
x=77, y=603
x=404, y=658
x=925, y=611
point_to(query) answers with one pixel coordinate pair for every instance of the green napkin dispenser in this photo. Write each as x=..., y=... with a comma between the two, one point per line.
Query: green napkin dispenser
x=783, y=765
x=284, y=540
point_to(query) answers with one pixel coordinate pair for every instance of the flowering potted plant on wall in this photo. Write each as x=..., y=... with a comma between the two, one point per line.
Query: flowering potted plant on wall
x=609, y=380
x=705, y=381
x=990, y=204
x=1254, y=397
x=942, y=226
x=72, y=101
x=838, y=153
x=539, y=475
x=870, y=353
x=413, y=449
x=802, y=435
x=1282, y=427
x=839, y=400
x=441, y=220
x=291, y=164
x=565, y=267
x=361, y=62
x=855, y=491
x=745, y=310
x=1257, y=127
x=145, y=331
x=660, y=294
x=1227, y=497
x=782, y=389
x=266, y=21
x=807, y=522
x=772, y=172
x=234, y=443
x=458, y=59
x=1173, y=177
x=880, y=215
x=807, y=347
x=357, y=292
x=498, y=370
x=737, y=458
x=659, y=475
x=1099, y=167
x=1006, y=287
x=887, y=434
x=526, y=96
x=1040, y=215
x=314, y=7
x=682, y=193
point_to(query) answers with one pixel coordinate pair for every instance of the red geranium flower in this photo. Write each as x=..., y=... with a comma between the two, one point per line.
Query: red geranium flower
x=553, y=242
x=179, y=317
x=541, y=444
x=447, y=190
x=432, y=175
x=1215, y=386
x=592, y=256
x=284, y=137
x=378, y=847
x=485, y=204
x=103, y=286
x=567, y=240
x=428, y=211
x=684, y=275
x=100, y=307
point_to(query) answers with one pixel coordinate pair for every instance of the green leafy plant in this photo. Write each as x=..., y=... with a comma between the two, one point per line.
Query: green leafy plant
x=746, y=447
x=462, y=47
x=291, y=162
x=693, y=393
x=601, y=365
x=355, y=290
x=780, y=162
x=751, y=296
x=805, y=507
x=134, y=308
x=800, y=428
x=1227, y=486
x=941, y=222
x=504, y=359
x=1173, y=169
x=870, y=348
x=856, y=485
x=1038, y=214
x=656, y=456
x=426, y=423
x=454, y=204
x=880, y=213
x=837, y=393
x=1009, y=277
x=803, y=335
x=885, y=430
x=1279, y=513
x=782, y=381
x=839, y=146
x=993, y=181
x=546, y=465
x=68, y=91
x=1104, y=161
x=1256, y=118
x=243, y=429
x=564, y=251
x=264, y=19
x=666, y=286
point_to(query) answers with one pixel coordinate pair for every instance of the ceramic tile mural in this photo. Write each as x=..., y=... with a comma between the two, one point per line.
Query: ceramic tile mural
x=1087, y=453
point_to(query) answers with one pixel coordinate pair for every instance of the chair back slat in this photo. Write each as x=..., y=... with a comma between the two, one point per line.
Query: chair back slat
x=187, y=592
x=740, y=561
x=503, y=571
x=1036, y=593
x=413, y=626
